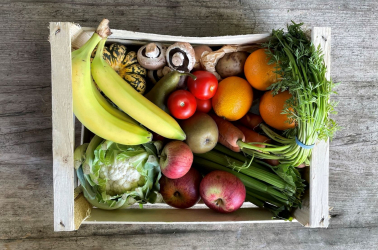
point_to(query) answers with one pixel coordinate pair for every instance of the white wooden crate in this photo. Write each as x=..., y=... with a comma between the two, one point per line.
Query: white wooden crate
x=69, y=212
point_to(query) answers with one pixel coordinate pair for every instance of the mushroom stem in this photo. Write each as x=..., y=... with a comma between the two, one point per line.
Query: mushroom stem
x=166, y=70
x=152, y=51
x=159, y=73
x=177, y=59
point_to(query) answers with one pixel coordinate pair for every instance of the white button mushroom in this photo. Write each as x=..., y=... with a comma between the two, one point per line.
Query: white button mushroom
x=180, y=56
x=152, y=56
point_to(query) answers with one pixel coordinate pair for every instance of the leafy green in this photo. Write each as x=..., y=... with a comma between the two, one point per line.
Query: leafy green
x=121, y=175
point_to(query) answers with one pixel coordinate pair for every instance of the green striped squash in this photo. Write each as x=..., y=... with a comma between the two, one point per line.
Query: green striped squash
x=126, y=65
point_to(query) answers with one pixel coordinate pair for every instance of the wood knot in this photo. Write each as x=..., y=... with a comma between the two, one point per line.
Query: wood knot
x=322, y=220
x=65, y=159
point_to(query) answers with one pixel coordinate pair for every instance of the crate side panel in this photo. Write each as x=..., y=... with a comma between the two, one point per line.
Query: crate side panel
x=119, y=35
x=63, y=127
x=319, y=189
x=315, y=208
x=178, y=216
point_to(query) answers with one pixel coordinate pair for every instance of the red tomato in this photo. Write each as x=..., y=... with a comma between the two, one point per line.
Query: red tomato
x=182, y=104
x=205, y=86
x=203, y=105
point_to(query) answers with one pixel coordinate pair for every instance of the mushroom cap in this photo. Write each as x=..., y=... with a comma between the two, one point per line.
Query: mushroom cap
x=199, y=51
x=157, y=60
x=187, y=51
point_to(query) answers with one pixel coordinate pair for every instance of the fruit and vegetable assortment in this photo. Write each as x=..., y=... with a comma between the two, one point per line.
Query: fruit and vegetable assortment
x=173, y=122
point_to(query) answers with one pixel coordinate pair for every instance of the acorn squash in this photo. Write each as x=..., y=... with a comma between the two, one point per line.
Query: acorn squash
x=126, y=65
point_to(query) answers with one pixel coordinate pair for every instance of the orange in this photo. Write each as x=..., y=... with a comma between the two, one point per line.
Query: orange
x=257, y=71
x=271, y=108
x=233, y=98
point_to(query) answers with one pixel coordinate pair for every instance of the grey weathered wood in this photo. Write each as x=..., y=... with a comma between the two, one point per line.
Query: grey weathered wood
x=315, y=209
x=63, y=126
x=26, y=199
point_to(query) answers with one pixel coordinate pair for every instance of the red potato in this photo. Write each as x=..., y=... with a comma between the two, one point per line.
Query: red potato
x=272, y=162
x=251, y=121
x=229, y=135
x=252, y=136
x=301, y=165
x=157, y=137
x=276, y=162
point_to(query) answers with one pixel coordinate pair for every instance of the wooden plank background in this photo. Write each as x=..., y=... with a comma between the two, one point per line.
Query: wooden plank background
x=26, y=197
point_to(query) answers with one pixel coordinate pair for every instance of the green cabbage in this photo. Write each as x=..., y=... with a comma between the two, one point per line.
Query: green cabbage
x=121, y=175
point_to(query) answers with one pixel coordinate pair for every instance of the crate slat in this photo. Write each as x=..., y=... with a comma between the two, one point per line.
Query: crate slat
x=179, y=216
x=315, y=208
x=63, y=129
x=142, y=38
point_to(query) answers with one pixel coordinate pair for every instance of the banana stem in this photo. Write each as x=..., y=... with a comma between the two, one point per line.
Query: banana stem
x=100, y=48
x=103, y=29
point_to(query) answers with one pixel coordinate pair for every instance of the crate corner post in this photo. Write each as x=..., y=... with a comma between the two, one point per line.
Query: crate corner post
x=315, y=207
x=62, y=126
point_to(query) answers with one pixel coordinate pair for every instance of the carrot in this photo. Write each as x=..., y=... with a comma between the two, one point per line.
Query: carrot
x=229, y=135
x=251, y=121
x=252, y=136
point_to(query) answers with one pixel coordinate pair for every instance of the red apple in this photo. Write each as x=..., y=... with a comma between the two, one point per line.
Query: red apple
x=222, y=191
x=182, y=192
x=176, y=159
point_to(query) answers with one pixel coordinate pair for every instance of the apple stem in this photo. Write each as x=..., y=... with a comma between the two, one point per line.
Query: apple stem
x=163, y=157
x=218, y=201
x=176, y=194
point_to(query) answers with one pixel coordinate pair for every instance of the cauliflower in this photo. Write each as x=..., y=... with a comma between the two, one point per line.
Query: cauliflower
x=121, y=175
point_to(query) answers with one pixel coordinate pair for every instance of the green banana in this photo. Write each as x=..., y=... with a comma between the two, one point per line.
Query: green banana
x=94, y=112
x=131, y=102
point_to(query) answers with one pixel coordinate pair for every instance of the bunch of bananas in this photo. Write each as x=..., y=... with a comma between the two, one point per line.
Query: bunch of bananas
x=98, y=115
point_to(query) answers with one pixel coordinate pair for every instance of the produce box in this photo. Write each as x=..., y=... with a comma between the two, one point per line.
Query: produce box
x=70, y=207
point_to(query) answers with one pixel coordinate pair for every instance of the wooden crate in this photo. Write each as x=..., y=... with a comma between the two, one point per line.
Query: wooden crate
x=71, y=208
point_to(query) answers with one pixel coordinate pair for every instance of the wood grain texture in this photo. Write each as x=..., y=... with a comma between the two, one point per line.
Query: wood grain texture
x=26, y=176
x=63, y=126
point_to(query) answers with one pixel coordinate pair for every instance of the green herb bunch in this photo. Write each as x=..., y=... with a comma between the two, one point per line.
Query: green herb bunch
x=301, y=71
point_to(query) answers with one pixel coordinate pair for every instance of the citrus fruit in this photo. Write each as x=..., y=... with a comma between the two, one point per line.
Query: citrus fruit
x=233, y=98
x=271, y=108
x=258, y=72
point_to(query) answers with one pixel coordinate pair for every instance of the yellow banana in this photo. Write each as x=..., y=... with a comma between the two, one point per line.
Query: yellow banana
x=112, y=110
x=89, y=108
x=131, y=102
